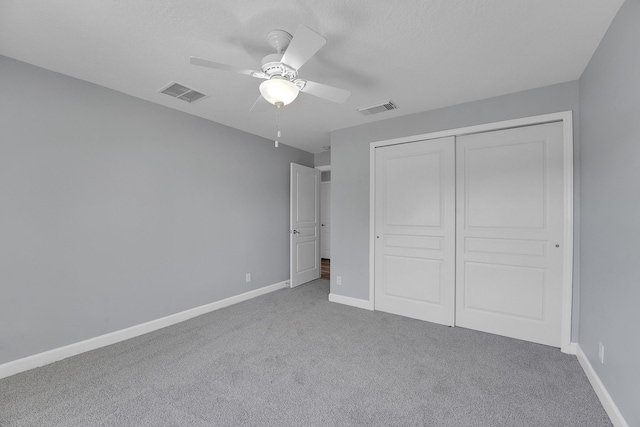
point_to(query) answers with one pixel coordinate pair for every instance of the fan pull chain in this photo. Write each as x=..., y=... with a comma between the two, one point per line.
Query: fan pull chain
x=278, y=133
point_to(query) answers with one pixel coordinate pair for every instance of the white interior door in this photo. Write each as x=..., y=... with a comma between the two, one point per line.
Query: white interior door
x=305, y=218
x=415, y=230
x=510, y=215
x=325, y=220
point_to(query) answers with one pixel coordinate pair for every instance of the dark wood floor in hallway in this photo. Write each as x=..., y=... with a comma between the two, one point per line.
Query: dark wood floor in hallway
x=325, y=268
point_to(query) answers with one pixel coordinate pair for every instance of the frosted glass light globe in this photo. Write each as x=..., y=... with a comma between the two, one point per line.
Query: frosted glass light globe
x=279, y=90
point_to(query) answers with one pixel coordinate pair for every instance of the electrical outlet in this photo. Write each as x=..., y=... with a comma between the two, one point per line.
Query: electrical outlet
x=247, y=277
x=601, y=352
x=339, y=280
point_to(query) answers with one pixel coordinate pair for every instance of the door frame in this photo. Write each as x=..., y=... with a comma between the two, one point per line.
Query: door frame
x=566, y=117
x=324, y=183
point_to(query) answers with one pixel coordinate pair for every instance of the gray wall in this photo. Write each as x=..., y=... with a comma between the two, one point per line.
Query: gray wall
x=610, y=199
x=323, y=158
x=115, y=211
x=350, y=171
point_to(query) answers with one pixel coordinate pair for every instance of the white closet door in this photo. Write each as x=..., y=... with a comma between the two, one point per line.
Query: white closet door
x=415, y=226
x=509, y=230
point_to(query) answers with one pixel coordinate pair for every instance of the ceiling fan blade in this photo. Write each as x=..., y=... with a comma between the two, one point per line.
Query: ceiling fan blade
x=327, y=92
x=217, y=66
x=304, y=45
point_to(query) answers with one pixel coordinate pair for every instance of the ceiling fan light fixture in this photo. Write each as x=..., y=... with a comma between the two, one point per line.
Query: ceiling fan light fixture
x=278, y=90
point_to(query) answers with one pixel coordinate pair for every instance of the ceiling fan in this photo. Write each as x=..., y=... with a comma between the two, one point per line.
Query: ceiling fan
x=280, y=69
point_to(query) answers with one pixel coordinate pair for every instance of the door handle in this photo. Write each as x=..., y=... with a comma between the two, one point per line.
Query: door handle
x=295, y=232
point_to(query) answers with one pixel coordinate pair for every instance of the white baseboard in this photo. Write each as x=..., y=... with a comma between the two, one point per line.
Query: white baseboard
x=570, y=349
x=44, y=358
x=354, y=302
x=605, y=398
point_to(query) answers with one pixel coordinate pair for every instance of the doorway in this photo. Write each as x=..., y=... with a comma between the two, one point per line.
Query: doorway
x=325, y=227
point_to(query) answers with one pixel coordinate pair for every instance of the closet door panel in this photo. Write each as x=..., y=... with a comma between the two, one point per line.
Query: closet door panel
x=415, y=226
x=509, y=226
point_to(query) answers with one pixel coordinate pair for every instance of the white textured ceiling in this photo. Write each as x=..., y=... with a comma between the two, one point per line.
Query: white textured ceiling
x=422, y=54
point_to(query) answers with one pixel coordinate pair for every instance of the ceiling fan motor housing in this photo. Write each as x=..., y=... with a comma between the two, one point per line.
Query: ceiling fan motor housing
x=272, y=66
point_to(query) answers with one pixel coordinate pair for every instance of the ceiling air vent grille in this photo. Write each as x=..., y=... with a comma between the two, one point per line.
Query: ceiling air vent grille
x=179, y=91
x=378, y=108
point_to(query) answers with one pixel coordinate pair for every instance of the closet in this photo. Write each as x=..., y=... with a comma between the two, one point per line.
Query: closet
x=468, y=231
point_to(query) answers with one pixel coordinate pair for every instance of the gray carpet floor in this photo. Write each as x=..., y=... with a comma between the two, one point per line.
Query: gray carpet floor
x=292, y=358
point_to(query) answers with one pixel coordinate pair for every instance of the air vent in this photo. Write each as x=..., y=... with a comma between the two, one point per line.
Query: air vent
x=179, y=91
x=378, y=108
